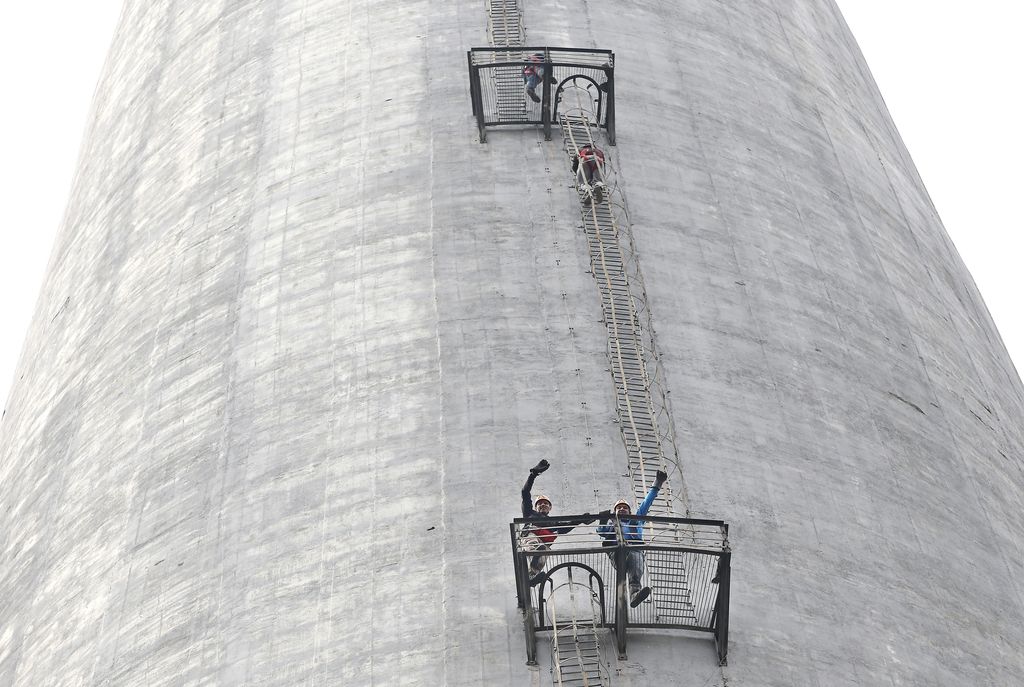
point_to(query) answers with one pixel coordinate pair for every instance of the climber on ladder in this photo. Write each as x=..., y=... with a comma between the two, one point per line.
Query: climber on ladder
x=632, y=532
x=540, y=538
x=588, y=166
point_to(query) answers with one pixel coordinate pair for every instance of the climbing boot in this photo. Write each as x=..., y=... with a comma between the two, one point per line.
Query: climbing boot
x=639, y=596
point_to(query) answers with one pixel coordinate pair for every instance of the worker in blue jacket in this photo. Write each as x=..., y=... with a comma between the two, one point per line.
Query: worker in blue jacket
x=633, y=532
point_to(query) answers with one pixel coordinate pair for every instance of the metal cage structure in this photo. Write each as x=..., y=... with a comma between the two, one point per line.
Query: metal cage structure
x=498, y=87
x=694, y=562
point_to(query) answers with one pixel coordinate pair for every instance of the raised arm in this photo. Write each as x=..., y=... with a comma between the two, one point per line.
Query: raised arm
x=528, y=487
x=653, y=493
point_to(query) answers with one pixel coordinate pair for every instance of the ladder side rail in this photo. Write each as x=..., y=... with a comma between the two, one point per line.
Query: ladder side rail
x=722, y=608
x=602, y=267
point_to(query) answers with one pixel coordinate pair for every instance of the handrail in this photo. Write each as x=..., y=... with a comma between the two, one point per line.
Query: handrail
x=687, y=534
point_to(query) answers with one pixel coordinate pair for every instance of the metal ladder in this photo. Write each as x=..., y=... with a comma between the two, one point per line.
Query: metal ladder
x=626, y=346
x=505, y=30
x=575, y=645
x=575, y=650
x=670, y=589
x=505, y=23
x=631, y=355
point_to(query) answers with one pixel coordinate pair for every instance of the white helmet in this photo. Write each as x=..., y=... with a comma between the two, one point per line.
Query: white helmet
x=545, y=499
x=622, y=502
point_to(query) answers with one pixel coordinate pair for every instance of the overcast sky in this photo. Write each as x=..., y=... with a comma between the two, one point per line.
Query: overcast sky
x=949, y=72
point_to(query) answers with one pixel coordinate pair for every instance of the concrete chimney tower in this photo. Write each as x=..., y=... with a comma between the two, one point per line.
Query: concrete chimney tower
x=303, y=335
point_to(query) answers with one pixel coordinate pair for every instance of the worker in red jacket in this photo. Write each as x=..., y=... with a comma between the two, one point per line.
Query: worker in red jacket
x=538, y=537
x=588, y=166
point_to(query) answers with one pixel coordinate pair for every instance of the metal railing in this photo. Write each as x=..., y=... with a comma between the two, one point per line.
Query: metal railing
x=693, y=573
x=499, y=96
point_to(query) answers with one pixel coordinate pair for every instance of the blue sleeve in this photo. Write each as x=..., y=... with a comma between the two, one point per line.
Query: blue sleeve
x=646, y=505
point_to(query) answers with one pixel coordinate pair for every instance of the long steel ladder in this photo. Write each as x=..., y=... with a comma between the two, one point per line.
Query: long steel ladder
x=631, y=355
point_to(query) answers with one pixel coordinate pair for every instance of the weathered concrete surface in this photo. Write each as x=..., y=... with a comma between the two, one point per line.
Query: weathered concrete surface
x=302, y=336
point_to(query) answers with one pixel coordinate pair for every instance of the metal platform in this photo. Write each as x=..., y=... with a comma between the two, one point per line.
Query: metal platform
x=499, y=96
x=687, y=560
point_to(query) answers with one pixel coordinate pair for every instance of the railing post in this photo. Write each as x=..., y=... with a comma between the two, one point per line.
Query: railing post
x=722, y=607
x=524, y=597
x=610, y=93
x=545, y=103
x=531, y=638
x=621, y=598
x=477, y=98
x=515, y=566
x=472, y=81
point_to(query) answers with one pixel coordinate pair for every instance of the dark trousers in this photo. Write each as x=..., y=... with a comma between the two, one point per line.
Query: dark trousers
x=634, y=568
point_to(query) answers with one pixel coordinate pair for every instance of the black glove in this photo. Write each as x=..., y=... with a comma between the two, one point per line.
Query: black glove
x=539, y=467
x=660, y=477
x=604, y=516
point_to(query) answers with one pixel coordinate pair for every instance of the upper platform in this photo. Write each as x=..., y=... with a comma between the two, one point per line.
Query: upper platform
x=568, y=79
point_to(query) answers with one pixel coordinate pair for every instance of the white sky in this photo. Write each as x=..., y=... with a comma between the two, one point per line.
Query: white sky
x=950, y=73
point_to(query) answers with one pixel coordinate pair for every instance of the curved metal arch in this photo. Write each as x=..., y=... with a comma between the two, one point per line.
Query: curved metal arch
x=601, y=95
x=594, y=575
